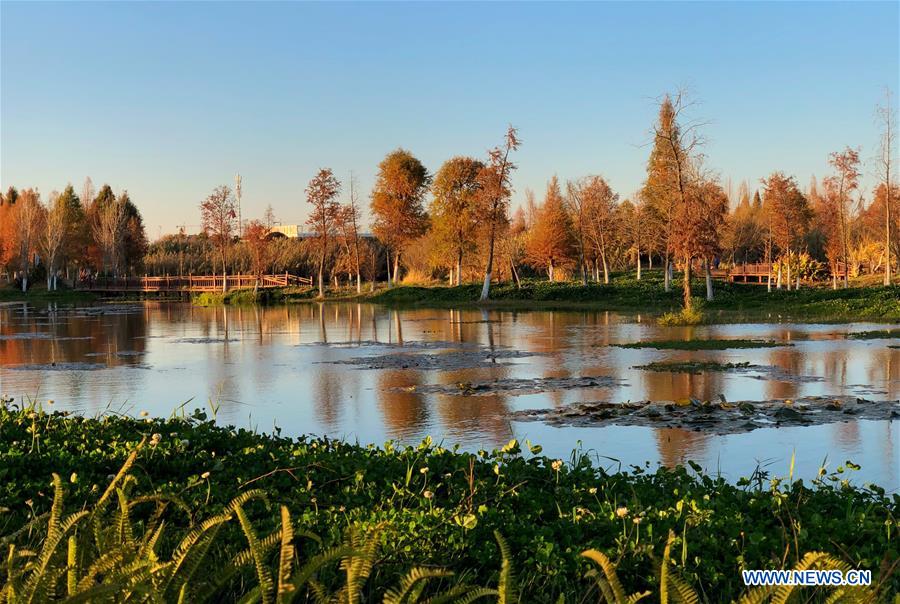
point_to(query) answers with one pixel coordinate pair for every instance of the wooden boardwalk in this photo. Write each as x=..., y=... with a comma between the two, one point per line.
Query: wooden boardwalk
x=756, y=273
x=189, y=283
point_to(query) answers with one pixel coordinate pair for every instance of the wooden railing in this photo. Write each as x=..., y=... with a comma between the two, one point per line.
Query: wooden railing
x=190, y=283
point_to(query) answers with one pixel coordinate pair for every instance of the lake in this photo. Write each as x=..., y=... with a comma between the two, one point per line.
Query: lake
x=371, y=374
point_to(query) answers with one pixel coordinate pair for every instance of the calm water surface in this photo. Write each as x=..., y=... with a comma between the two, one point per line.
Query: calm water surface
x=304, y=369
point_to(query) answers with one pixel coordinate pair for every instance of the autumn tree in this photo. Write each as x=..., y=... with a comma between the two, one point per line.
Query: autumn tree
x=8, y=227
x=887, y=116
x=348, y=226
x=28, y=218
x=838, y=188
x=592, y=205
x=630, y=218
x=256, y=236
x=495, y=189
x=669, y=185
x=453, y=212
x=551, y=242
x=397, y=204
x=661, y=190
x=53, y=235
x=787, y=214
x=322, y=193
x=218, y=217
x=108, y=220
x=76, y=239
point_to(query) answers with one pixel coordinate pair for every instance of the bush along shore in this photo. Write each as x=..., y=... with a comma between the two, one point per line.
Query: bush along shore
x=112, y=506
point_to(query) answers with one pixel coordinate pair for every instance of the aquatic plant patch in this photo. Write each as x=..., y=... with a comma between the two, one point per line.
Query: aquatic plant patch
x=515, y=386
x=878, y=334
x=717, y=417
x=435, y=507
x=437, y=361
x=703, y=344
x=696, y=367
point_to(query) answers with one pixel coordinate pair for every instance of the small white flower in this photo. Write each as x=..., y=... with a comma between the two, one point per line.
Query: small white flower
x=423, y=470
x=621, y=512
x=205, y=475
x=427, y=494
x=592, y=490
x=556, y=465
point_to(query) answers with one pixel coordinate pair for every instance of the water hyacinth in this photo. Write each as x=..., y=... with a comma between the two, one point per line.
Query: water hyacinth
x=546, y=519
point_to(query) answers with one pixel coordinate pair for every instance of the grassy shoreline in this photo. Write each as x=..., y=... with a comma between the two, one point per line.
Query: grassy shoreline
x=438, y=508
x=732, y=303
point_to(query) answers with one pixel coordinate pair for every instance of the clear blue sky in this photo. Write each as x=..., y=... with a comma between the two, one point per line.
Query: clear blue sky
x=168, y=100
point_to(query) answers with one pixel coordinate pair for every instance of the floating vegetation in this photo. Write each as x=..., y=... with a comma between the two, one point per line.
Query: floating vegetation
x=878, y=334
x=717, y=417
x=704, y=344
x=515, y=386
x=695, y=367
x=446, y=361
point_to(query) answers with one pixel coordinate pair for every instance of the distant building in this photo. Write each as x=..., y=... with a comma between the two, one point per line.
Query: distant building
x=287, y=230
x=294, y=231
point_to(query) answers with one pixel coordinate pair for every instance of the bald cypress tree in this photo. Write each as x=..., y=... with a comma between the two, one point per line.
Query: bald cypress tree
x=660, y=190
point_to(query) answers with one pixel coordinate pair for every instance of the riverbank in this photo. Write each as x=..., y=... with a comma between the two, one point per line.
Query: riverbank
x=438, y=508
x=625, y=293
x=42, y=295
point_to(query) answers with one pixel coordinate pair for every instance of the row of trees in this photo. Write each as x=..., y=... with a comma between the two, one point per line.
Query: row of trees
x=456, y=224
x=66, y=236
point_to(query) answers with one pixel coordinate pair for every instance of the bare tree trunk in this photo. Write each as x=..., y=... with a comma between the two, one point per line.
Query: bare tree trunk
x=459, y=258
x=605, y=267
x=686, y=283
x=639, y=264
x=322, y=275
x=709, y=283
x=387, y=257
x=515, y=273
x=486, y=287
x=789, y=270
x=550, y=271
x=584, y=277
x=397, y=266
x=667, y=273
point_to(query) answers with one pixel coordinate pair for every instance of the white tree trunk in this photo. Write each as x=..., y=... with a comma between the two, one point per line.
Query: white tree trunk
x=709, y=283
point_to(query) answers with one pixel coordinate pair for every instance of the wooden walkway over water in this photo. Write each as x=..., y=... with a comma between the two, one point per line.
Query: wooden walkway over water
x=190, y=283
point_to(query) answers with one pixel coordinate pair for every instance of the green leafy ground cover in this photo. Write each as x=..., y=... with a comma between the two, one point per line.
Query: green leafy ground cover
x=626, y=293
x=439, y=508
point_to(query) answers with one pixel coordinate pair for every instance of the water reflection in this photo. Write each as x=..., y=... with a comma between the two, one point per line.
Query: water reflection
x=278, y=366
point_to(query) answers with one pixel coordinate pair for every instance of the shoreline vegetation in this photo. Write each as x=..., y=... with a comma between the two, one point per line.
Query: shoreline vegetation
x=506, y=521
x=624, y=293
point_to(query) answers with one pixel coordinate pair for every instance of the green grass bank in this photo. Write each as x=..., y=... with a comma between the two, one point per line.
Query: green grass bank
x=430, y=507
x=625, y=293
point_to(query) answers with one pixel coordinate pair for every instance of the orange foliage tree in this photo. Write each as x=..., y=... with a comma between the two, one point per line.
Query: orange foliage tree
x=551, y=242
x=495, y=190
x=453, y=209
x=322, y=193
x=397, y=203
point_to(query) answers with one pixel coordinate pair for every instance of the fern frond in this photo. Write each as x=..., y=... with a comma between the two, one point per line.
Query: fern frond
x=412, y=584
x=266, y=584
x=506, y=585
x=285, y=554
